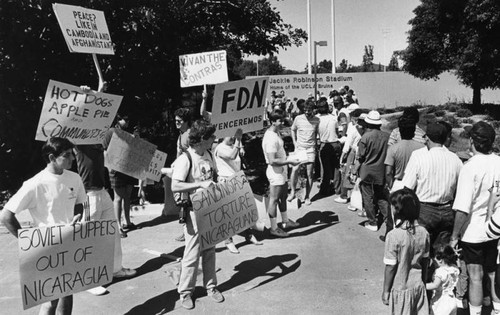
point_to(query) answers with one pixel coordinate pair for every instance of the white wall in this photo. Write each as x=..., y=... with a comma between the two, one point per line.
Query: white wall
x=382, y=89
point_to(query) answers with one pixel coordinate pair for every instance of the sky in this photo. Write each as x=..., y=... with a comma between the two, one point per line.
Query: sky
x=357, y=23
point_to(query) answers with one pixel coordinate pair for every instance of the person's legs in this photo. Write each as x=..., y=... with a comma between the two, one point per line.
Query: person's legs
x=282, y=193
x=65, y=305
x=190, y=260
x=309, y=179
x=325, y=155
x=367, y=195
x=126, y=203
x=274, y=192
x=382, y=197
x=208, y=265
x=119, y=193
x=335, y=165
x=475, y=284
x=49, y=308
x=293, y=181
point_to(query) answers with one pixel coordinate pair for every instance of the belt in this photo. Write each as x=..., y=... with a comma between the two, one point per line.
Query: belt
x=329, y=142
x=434, y=204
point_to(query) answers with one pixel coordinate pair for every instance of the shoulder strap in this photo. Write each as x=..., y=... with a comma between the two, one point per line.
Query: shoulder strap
x=190, y=163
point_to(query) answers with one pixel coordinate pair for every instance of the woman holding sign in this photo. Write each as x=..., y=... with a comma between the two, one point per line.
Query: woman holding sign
x=228, y=161
x=277, y=171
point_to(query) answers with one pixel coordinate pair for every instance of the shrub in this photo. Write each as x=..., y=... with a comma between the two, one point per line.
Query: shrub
x=440, y=113
x=432, y=109
x=467, y=121
x=453, y=108
x=452, y=121
x=464, y=112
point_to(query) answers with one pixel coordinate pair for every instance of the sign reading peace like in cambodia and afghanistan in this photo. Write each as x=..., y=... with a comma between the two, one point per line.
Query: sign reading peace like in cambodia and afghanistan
x=239, y=104
x=84, y=30
x=128, y=154
x=70, y=113
x=224, y=209
x=57, y=261
x=203, y=68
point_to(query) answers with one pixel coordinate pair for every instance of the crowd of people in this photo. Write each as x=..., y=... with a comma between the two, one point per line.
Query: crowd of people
x=441, y=233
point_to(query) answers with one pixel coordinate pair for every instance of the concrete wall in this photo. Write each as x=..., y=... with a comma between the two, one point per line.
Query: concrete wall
x=382, y=89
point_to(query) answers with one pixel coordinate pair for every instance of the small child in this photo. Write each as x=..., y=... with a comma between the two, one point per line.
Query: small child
x=406, y=257
x=444, y=281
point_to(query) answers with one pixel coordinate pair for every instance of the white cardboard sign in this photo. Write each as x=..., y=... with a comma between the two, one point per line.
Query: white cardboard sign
x=203, y=68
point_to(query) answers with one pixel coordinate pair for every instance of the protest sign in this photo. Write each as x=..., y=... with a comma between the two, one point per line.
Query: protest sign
x=57, y=261
x=70, y=113
x=203, y=68
x=84, y=30
x=239, y=104
x=155, y=166
x=128, y=154
x=224, y=209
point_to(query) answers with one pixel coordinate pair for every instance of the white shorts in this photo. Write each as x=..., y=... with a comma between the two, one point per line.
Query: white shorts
x=277, y=175
x=311, y=154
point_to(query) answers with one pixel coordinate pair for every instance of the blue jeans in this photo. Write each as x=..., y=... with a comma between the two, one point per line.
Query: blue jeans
x=436, y=219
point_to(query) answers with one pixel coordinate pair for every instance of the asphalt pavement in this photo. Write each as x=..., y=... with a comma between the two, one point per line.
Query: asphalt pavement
x=331, y=264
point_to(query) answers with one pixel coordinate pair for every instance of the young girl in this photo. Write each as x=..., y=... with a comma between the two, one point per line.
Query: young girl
x=444, y=281
x=406, y=257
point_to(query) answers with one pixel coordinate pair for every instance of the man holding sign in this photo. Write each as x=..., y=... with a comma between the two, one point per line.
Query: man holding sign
x=191, y=174
x=53, y=196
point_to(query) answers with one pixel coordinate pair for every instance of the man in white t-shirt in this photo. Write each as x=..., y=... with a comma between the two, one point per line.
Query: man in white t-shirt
x=304, y=132
x=53, y=197
x=188, y=177
x=480, y=173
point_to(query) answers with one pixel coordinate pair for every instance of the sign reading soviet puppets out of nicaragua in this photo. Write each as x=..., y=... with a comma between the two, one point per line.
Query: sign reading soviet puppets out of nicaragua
x=84, y=30
x=239, y=104
x=203, y=68
x=224, y=209
x=68, y=112
x=57, y=261
x=128, y=154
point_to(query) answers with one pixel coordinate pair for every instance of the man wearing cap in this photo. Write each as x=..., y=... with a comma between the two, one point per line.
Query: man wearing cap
x=432, y=172
x=372, y=149
x=478, y=175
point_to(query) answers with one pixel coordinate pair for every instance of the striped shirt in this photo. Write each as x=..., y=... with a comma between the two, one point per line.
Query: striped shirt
x=352, y=138
x=477, y=176
x=433, y=174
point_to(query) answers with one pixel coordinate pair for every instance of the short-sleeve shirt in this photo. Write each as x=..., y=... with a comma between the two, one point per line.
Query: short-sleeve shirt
x=50, y=198
x=478, y=175
x=372, y=153
x=449, y=278
x=226, y=167
x=327, y=128
x=90, y=163
x=399, y=154
x=395, y=136
x=306, y=131
x=406, y=249
x=272, y=143
x=202, y=168
x=183, y=142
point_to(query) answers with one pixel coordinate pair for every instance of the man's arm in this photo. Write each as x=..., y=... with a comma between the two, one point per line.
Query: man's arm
x=389, y=175
x=460, y=219
x=8, y=218
x=203, y=107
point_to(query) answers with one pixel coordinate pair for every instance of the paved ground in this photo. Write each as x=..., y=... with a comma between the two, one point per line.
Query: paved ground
x=330, y=265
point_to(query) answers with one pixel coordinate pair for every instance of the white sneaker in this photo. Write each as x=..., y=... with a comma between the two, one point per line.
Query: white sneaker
x=371, y=227
x=125, y=273
x=340, y=200
x=97, y=291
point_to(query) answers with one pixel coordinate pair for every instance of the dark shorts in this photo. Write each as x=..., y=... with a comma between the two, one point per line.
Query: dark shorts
x=481, y=254
x=118, y=179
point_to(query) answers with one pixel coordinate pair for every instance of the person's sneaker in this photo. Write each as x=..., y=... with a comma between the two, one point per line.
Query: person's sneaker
x=187, y=302
x=180, y=238
x=362, y=214
x=308, y=202
x=129, y=227
x=290, y=224
x=460, y=303
x=232, y=248
x=291, y=197
x=252, y=239
x=125, y=273
x=216, y=295
x=371, y=227
x=340, y=200
x=97, y=291
x=278, y=232
x=351, y=208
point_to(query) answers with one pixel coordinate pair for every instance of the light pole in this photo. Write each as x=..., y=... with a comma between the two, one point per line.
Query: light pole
x=320, y=43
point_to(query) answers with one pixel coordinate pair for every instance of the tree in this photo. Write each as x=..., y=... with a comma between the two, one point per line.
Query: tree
x=342, y=66
x=324, y=66
x=456, y=35
x=270, y=66
x=148, y=36
x=246, y=68
x=394, y=63
x=367, y=64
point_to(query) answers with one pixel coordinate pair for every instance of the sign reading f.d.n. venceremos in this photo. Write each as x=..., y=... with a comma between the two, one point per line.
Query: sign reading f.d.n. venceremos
x=84, y=30
x=239, y=105
x=203, y=68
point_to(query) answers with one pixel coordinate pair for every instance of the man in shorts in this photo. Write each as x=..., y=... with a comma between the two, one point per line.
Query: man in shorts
x=276, y=172
x=479, y=174
x=304, y=132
